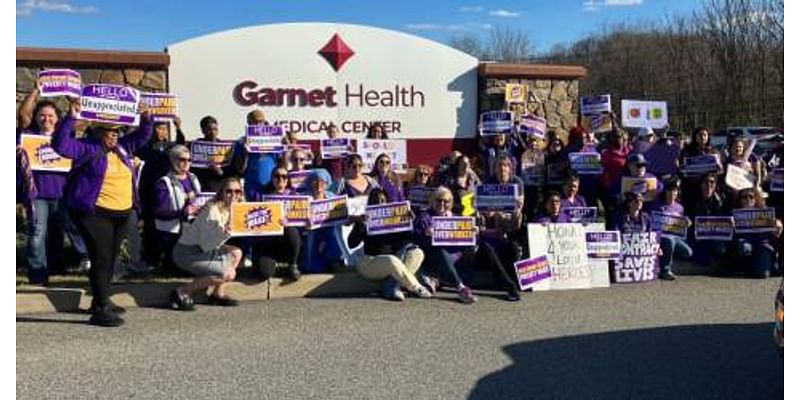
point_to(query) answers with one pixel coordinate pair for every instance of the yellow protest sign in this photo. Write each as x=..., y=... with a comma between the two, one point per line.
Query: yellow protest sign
x=42, y=157
x=257, y=219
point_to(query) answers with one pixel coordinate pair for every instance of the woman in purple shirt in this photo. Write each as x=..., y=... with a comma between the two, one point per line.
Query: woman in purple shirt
x=173, y=204
x=671, y=246
x=571, y=198
x=389, y=181
x=552, y=210
x=47, y=211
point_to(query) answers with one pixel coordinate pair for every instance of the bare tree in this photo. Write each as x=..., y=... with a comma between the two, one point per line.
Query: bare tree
x=470, y=44
x=510, y=45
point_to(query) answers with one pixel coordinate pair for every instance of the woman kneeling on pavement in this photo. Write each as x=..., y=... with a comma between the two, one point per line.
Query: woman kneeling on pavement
x=202, y=251
x=101, y=192
x=390, y=257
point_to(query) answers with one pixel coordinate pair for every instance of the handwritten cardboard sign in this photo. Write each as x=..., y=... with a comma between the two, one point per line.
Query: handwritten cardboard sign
x=639, y=262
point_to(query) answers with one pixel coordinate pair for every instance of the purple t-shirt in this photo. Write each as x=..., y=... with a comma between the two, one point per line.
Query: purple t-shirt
x=674, y=209
x=49, y=185
x=559, y=218
x=578, y=202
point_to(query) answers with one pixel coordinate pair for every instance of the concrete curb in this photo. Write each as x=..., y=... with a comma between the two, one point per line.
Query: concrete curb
x=32, y=299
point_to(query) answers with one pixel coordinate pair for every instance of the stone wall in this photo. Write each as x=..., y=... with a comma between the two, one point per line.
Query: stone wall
x=557, y=100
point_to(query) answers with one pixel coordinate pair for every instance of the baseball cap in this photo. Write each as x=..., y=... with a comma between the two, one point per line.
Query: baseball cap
x=637, y=159
x=646, y=132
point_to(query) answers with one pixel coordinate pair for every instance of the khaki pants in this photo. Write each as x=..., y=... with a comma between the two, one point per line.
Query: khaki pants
x=384, y=266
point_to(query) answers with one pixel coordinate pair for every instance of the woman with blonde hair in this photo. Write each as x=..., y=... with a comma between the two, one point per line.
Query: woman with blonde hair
x=201, y=250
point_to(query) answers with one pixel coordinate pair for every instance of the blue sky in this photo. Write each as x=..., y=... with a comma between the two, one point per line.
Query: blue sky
x=151, y=25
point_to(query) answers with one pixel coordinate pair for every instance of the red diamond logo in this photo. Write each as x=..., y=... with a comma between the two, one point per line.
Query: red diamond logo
x=336, y=52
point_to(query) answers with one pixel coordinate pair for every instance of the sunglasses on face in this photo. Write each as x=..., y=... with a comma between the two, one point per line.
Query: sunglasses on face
x=185, y=159
x=280, y=176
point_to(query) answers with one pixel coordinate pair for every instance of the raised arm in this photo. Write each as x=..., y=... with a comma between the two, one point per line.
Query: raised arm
x=63, y=142
x=25, y=112
x=138, y=138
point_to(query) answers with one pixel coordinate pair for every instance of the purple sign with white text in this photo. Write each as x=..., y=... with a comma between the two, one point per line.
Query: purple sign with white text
x=113, y=104
x=453, y=231
x=639, y=261
x=532, y=270
x=603, y=245
x=59, y=82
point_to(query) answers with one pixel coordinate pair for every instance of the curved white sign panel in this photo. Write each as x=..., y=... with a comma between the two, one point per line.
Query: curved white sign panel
x=308, y=75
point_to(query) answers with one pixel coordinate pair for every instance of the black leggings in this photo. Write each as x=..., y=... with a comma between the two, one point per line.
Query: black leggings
x=103, y=233
x=501, y=258
x=280, y=248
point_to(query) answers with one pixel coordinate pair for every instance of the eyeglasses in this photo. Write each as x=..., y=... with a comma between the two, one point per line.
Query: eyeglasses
x=280, y=176
x=233, y=191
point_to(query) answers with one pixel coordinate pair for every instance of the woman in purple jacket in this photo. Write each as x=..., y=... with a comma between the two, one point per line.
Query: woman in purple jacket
x=101, y=195
x=46, y=208
x=173, y=204
x=389, y=181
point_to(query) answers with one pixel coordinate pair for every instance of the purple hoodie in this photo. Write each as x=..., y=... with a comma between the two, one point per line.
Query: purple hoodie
x=87, y=158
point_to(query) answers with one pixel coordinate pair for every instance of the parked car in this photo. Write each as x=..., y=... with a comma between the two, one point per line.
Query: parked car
x=768, y=138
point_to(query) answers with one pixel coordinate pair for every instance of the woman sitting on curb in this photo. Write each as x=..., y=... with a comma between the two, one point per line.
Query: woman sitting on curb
x=391, y=257
x=201, y=250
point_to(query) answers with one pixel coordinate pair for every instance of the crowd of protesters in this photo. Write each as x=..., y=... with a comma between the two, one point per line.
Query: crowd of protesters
x=99, y=202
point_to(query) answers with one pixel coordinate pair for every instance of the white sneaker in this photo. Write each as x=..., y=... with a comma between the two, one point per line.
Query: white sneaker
x=423, y=292
x=85, y=265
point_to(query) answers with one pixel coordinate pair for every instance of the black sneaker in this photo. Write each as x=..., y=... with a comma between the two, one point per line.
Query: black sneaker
x=106, y=318
x=666, y=276
x=184, y=303
x=38, y=276
x=222, y=301
x=112, y=307
x=513, y=296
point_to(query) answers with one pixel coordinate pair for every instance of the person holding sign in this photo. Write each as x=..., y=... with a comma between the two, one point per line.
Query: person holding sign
x=156, y=163
x=758, y=250
x=335, y=166
x=613, y=158
x=636, y=167
x=324, y=247
x=390, y=257
x=441, y=260
x=354, y=183
x=376, y=131
x=532, y=171
x=494, y=146
x=570, y=197
x=700, y=145
x=173, y=203
x=268, y=250
x=710, y=202
x=461, y=182
x=387, y=179
x=499, y=234
x=552, y=210
x=740, y=155
x=201, y=250
x=556, y=161
x=211, y=178
x=582, y=141
x=46, y=207
x=102, y=195
x=256, y=168
x=671, y=245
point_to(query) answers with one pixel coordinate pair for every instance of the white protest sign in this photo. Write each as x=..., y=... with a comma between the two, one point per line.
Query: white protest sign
x=644, y=114
x=738, y=178
x=565, y=247
x=370, y=149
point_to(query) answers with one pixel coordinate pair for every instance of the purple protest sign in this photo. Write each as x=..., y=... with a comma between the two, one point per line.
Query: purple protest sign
x=453, y=231
x=113, y=104
x=205, y=153
x=334, y=148
x=389, y=218
x=328, y=212
x=59, y=82
x=264, y=139
x=162, y=106
x=670, y=225
x=754, y=220
x=295, y=208
x=713, y=228
x=700, y=165
x=581, y=214
x=420, y=196
x=603, y=245
x=496, y=123
x=532, y=270
x=202, y=198
x=298, y=180
x=531, y=125
x=639, y=261
x=595, y=104
x=662, y=158
x=586, y=163
x=496, y=197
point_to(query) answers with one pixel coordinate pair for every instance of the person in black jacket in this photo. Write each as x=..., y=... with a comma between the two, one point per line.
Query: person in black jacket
x=391, y=257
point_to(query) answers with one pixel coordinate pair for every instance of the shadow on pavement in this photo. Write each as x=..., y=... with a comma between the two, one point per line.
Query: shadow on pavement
x=726, y=361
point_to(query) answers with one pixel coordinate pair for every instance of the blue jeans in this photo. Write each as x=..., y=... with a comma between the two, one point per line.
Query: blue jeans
x=670, y=247
x=46, y=229
x=758, y=255
x=442, y=263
